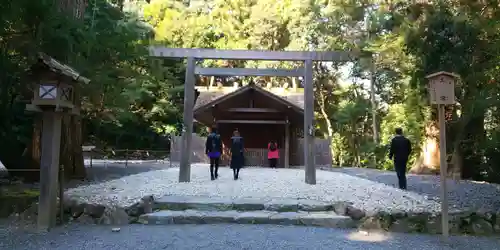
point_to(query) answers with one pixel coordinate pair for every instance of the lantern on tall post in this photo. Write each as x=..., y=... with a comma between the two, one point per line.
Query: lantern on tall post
x=53, y=87
x=442, y=93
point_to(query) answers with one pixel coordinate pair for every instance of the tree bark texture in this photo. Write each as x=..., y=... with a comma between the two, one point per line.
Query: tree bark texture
x=428, y=160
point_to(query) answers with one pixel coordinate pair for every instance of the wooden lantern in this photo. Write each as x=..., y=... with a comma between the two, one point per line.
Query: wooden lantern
x=53, y=94
x=53, y=86
x=442, y=88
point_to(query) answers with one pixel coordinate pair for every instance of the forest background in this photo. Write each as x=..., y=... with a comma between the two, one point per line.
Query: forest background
x=135, y=102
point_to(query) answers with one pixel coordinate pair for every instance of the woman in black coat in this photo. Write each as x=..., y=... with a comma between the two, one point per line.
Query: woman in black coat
x=236, y=153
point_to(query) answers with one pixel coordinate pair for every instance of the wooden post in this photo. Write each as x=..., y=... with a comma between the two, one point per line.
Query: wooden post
x=442, y=92
x=443, y=169
x=287, y=144
x=49, y=170
x=187, y=133
x=310, y=168
x=373, y=103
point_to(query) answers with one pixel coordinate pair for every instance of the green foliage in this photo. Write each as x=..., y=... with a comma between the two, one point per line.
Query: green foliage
x=462, y=38
x=401, y=116
x=134, y=101
x=128, y=103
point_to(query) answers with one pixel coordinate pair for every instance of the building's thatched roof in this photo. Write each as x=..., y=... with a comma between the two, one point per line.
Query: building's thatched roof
x=206, y=96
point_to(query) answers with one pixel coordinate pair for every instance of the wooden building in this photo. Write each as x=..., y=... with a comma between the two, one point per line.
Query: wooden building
x=259, y=114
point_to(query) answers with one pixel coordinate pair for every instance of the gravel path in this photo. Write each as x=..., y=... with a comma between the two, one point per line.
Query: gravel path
x=226, y=237
x=461, y=194
x=366, y=188
x=255, y=183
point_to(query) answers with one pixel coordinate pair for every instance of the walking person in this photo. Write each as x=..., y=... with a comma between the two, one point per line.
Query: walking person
x=237, y=158
x=273, y=154
x=213, y=148
x=400, y=152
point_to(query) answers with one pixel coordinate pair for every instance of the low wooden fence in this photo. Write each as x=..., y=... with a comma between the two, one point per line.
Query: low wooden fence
x=125, y=154
x=253, y=156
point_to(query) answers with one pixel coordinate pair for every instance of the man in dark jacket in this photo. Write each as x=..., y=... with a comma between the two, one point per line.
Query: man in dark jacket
x=399, y=152
x=213, y=148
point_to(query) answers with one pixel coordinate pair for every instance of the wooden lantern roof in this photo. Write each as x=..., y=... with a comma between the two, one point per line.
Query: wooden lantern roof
x=57, y=67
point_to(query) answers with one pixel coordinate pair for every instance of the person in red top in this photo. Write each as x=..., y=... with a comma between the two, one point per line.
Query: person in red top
x=273, y=154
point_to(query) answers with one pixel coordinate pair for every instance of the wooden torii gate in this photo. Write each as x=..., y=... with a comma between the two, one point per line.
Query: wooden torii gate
x=307, y=72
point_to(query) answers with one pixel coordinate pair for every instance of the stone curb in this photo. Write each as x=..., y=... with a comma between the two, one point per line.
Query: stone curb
x=241, y=204
x=461, y=222
x=322, y=219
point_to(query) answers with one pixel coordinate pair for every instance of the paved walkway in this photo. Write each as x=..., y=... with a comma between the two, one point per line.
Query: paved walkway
x=226, y=237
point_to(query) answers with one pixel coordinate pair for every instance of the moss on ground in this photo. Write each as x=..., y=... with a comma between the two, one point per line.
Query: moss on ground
x=16, y=199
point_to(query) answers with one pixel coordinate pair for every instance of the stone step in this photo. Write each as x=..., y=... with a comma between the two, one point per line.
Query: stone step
x=179, y=203
x=320, y=219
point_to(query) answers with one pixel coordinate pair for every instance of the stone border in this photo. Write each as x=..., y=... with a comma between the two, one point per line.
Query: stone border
x=461, y=222
x=87, y=213
x=321, y=219
x=201, y=203
x=474, y=223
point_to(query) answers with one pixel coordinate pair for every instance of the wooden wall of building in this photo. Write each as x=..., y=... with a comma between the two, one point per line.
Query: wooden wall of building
x=256, y=139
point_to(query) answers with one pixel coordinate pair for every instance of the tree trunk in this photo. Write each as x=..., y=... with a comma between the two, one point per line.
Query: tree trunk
x=71, y=148
x=474, y=136
x=73, y=158
x=34, y=151
x=428, y=160
x=71, y=155
x=456, y=164
x=322, y=108
x=329, y=127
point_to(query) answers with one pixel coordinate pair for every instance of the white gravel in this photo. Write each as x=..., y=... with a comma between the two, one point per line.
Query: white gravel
x=256, y=183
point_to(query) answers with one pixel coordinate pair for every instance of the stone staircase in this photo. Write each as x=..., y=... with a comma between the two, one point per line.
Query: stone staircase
x=279, y=211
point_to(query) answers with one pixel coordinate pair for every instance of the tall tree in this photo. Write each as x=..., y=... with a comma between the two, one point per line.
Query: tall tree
x=71, y=156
